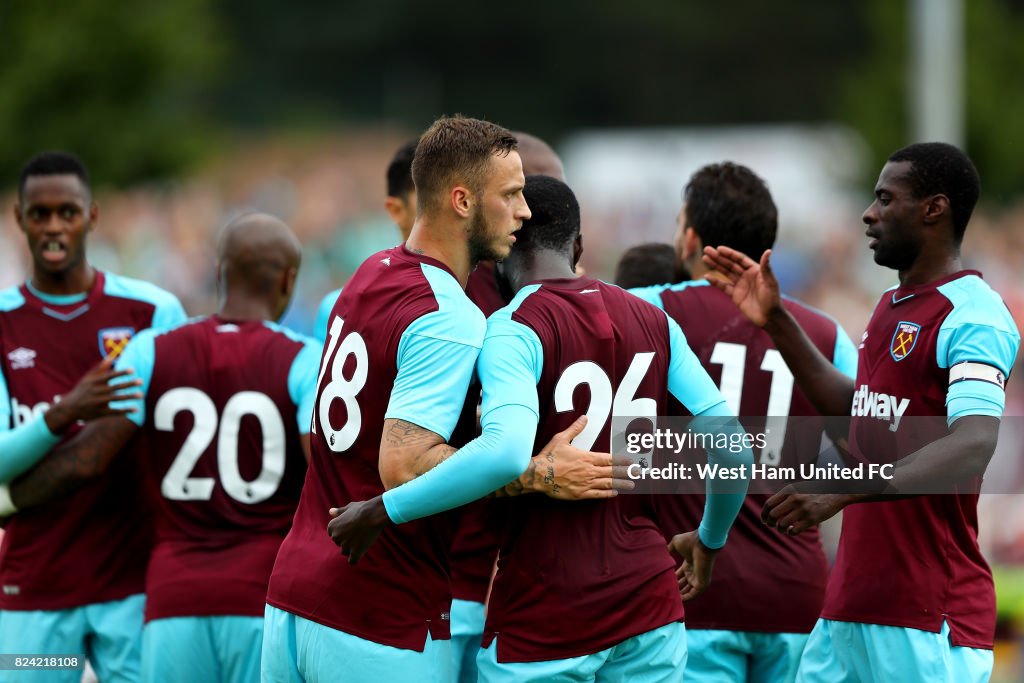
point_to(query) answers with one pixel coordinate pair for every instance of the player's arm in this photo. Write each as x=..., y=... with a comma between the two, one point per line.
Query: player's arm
x=422, y=413
x=73, y=464
x=979, y=357
x=509, y=367
x=755, y=291
x=691, y=385
x=27, y=444
x=90, y=452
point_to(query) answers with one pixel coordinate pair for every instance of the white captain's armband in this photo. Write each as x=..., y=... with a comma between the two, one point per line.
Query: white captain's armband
x=979, y=371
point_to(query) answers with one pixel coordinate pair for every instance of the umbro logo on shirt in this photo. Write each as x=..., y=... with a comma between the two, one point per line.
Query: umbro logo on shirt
x=863, y=338
x=22, y=358
x=386, y=261
x=589, y=291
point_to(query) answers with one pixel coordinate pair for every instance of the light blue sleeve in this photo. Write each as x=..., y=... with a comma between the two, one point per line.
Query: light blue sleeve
x=694, y=388
x=651, y=295
x=509, y=368
x=510, y=365
x=302, y=382
x=979, y=329
x=844, y=357
x=688, y=381
x=436, y=357
x=23, y=447
x=169, y=313
x=139, y=356
x=323, y=315
x=5, y=405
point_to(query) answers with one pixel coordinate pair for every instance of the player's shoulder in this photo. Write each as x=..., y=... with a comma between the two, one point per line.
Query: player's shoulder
x=503, y=320
x=655, y=294
x=643, y=309
x=175, y=332
x=124, y=287
x=974, y=302
x=290, y=335
x=11, y=299
x=437, y=306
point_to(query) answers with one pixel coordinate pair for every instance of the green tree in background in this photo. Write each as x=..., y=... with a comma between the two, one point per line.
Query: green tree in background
x=873, y=97
x=118, y=82
x=546, y=67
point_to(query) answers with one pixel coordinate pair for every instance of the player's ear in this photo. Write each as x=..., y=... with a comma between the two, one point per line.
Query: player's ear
x=288, y=282
x=577, y=250
x=17, y=215
x=462, y=200
x=94, y=215
x=692, y=243
x=395, y=209
x=935, y=207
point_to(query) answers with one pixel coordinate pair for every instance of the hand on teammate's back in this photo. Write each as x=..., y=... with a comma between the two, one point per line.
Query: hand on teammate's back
x=751, y=285
x=566, y=472
x=356, y=526
x=90, y=398
x=694, y=573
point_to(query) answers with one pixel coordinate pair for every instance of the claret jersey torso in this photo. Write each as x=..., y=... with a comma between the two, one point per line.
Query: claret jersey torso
x=225, y=404
x=601, y=566
x=80, y=551
x=402, y=342
x=764, y=581
x=928, y=544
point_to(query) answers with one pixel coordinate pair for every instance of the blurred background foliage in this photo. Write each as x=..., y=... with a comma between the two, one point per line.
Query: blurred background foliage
x=155, y=85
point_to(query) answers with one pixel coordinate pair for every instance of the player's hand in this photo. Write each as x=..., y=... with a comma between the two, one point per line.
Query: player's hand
x=751, y=285
x=91, y=397
x=355, y=527
x=569, y=473
x=792, y=512
x=694, y=574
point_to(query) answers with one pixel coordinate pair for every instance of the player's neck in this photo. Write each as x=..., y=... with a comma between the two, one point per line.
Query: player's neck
x=432, y=242
x=930, y=267
x=543, y=265
x=73, y=281
x=244, y=309
x=698, y=271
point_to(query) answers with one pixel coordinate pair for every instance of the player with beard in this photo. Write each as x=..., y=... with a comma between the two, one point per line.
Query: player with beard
x=73, y=573
x=227, y=405
x=400, y=203
x=404, y=321
x=752, y=622
x=939, y=344
x=583, y=588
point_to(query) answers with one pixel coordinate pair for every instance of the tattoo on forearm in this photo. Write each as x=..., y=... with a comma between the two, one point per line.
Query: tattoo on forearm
x=402, y=434
x=432, y=458
x=73, y=464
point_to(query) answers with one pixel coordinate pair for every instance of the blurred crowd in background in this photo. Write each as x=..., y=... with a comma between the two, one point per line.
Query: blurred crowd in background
x=189, y=112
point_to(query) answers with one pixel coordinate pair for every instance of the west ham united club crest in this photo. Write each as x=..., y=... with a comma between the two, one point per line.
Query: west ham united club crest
x=903, y=340
x=114, y=339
